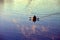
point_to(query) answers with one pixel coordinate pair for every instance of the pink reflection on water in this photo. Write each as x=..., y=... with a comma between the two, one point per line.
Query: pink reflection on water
x=44, y=29
x=52, y=37
x=28, y=31
x=33, y=29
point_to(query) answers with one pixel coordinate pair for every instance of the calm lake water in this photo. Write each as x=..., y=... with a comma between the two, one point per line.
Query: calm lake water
x=15, y=24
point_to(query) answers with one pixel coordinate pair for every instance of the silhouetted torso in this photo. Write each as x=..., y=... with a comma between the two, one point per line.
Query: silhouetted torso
x=34, y=19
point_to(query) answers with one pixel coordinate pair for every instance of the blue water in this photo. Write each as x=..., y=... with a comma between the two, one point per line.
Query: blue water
x=16, y=26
